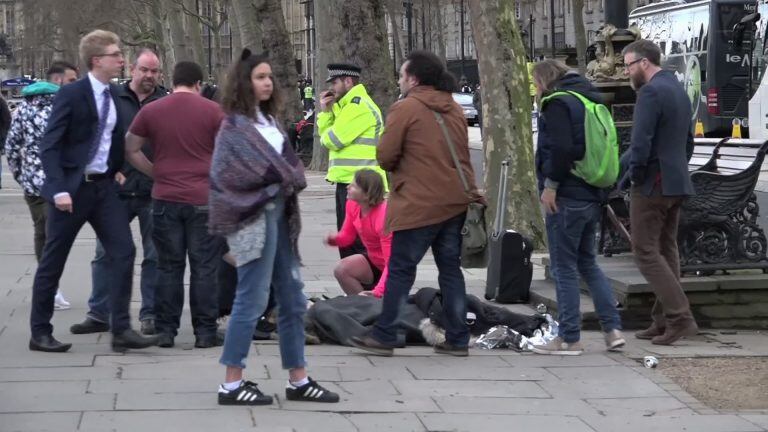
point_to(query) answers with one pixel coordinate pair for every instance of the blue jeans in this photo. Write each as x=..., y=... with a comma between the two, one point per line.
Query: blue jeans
x=408, y=249
x=180, y=231
x=278, y=266
x=98, y=303
x=572, y=252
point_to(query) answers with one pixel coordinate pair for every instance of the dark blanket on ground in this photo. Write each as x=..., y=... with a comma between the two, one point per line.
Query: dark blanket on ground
x=338, y=319
x=429, y=301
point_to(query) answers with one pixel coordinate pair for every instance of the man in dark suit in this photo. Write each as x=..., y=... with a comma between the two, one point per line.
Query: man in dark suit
x=658, y=168
x=81, y=151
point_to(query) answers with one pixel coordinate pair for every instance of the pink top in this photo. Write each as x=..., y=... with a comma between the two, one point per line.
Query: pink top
x=370, y=229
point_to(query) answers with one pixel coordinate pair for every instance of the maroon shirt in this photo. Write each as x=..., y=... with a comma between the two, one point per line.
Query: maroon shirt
x=182, y=128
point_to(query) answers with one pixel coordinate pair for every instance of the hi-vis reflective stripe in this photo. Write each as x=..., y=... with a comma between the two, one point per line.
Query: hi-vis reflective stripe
x=335, y=140
x=353, y=162
x=378, y=119
x=367, y=141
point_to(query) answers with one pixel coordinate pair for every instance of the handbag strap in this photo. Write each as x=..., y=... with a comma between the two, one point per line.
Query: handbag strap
x=455, y=157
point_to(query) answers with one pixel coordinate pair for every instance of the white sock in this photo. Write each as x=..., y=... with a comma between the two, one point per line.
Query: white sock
x=305, y=381
x=232, y=385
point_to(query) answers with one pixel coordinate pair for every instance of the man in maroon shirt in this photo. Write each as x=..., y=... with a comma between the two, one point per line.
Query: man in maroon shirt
x=182, y=128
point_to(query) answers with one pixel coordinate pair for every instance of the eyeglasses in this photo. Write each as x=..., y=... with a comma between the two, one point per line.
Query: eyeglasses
x=116, y=54
x=627, y=66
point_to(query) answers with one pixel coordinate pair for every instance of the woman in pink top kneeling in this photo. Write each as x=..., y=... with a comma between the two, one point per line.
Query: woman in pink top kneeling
x=365, y=218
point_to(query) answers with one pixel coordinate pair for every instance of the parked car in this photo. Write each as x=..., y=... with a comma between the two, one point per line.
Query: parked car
x=470, y=113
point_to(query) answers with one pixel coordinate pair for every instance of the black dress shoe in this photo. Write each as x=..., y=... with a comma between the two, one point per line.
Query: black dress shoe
x=209, y=341
x=368, y=343
x=129, y=339
x=446, y=348
x=165, y=340
x=89, y=326
x=47, y=343
x=148, y=327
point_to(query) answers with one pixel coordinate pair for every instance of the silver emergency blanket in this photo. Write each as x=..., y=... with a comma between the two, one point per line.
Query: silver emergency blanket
x=500, y=337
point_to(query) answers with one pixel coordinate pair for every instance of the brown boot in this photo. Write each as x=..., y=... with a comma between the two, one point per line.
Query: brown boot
x=651, y=332
x=673, y=333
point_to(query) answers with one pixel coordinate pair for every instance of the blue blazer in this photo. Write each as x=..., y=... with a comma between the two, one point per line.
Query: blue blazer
x=662, y=142
x=69, y=135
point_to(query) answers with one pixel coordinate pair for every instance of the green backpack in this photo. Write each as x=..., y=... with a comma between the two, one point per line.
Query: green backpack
x=600, y=165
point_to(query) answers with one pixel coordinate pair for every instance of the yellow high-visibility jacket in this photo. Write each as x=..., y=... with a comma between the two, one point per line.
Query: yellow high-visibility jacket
x=309, y=92
x=351, y=131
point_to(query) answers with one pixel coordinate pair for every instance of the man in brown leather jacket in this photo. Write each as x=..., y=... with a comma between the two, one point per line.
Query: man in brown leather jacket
x=427, y=201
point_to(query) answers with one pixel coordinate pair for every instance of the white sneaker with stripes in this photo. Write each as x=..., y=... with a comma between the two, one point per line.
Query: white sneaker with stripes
x=247, y=394
x=310, y=392
x=60, y=303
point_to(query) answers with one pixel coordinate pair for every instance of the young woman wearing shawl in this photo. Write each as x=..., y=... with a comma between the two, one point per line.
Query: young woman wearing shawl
x=255, y=180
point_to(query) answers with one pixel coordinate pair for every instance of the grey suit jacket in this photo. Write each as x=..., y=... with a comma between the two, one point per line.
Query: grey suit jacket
x=662, y=141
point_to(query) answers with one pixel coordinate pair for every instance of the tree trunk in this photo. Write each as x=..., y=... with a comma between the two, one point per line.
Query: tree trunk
x=580, y=32
x=271, y=21
x=234, y=27
x=159, y=13
x=247, y=19
x=178, y=37
x=395, y=13
x=194, y=30
x=368, y=49
x=506, y=116
x=440, y=30
x=328, y=50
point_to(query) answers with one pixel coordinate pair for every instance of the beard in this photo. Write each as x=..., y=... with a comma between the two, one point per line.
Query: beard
x=147, y=85
x=340, y=95
x=636, y=81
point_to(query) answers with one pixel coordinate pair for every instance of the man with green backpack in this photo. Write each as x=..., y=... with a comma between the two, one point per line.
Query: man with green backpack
x=576, y=162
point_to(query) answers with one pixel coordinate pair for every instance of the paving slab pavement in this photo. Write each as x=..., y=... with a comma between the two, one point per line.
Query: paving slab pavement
x=91, y=388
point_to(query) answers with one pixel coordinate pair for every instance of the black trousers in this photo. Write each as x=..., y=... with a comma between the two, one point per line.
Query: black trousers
x=341, y=206
x=98, y=204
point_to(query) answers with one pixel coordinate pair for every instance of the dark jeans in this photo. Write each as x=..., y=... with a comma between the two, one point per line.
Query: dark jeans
x=408, y=249
x=98, y=204
x=341, y=207
x=38, y=208
x=98, y=303
x=654, y=221
x=181, y=230
x=572, y=249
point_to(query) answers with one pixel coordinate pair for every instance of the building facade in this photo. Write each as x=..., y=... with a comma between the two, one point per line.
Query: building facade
x=9, y=35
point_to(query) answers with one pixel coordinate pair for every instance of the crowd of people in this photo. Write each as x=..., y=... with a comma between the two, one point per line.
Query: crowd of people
x=217, y=183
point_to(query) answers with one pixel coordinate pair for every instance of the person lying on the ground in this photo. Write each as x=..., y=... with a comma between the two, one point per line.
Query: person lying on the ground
x=365, y=218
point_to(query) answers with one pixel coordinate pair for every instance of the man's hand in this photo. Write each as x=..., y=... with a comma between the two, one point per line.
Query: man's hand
x=120, y=178
x=548, y=198
x=63, y=203
x=327, y=99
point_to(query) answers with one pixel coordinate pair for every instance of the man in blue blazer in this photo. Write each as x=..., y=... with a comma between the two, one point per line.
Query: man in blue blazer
x=661, y=145
x=81, y=151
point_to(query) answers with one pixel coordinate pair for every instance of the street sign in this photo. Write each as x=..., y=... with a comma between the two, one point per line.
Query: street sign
x=17, y=82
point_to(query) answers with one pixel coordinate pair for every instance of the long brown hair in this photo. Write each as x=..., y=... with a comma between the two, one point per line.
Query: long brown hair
x=238, y=97
x=372, y=185
x=547, y=73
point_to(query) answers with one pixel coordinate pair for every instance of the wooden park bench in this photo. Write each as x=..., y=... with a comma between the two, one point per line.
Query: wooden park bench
x=718, y=226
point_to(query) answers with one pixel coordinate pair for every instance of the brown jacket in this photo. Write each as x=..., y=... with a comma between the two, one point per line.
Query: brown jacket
x=425, y=188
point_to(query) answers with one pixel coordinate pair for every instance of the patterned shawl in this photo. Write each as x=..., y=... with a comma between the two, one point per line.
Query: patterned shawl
x=246, y=173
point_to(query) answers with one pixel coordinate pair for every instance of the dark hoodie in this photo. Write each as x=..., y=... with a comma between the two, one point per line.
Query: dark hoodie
x=136, y=183
x=561, y=140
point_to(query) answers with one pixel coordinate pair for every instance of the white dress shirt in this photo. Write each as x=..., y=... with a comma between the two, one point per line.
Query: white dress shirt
x=99, y=163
